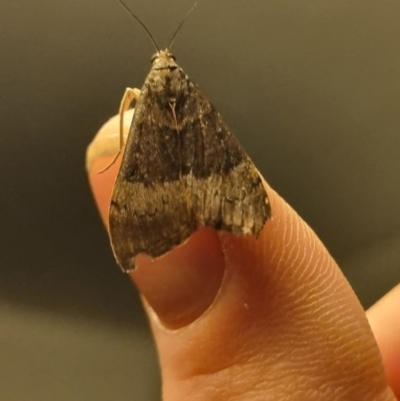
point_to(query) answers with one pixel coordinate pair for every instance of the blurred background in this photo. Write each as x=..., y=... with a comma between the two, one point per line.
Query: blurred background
x=312, y=90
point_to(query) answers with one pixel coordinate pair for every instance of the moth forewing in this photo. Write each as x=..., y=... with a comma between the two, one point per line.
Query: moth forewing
x=182, y=169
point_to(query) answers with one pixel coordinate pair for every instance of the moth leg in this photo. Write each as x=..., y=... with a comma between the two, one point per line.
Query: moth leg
x=129, y=96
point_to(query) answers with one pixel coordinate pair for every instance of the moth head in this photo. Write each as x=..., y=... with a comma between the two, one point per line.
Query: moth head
x=164, y=59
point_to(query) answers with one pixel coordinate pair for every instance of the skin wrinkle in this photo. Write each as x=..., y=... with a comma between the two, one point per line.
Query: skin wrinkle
x=323, y=285
x=328, y=385
x=312, y=252
x=274, y=255
x=294, y=258
x=287, y=234
x=319, y=298
x=315, y=256
x=349, y=349
x=274, y=259
x=281, y=261
x=291, y=256
x=304, y=269
x=301, y=379
x=304, y=272
x=303, y=259
x=300, y=371
x=300, y=358
x=300, y=258
x=317, y=310
x=258, y=379
x=316, y=302
x=328, y=280
x=231, y=377
x=315, y=278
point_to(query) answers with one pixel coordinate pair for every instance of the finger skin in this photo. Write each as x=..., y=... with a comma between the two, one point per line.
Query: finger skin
x=285, y=325
x=384, y=318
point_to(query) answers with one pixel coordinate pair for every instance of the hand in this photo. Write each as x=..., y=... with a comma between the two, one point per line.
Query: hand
x=273, y=319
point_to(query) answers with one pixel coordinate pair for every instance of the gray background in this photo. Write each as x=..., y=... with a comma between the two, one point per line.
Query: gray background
x=312, y=90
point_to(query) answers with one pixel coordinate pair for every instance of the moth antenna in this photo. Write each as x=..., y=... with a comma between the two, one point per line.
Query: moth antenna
x=141, y=24
x=181, y=24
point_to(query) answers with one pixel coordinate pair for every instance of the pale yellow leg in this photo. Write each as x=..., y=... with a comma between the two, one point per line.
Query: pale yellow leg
x=129, y=96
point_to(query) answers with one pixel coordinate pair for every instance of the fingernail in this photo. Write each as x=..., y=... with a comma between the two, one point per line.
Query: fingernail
x=181, y=285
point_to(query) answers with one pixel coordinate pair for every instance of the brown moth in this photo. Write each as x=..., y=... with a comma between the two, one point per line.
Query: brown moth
x=182, y=169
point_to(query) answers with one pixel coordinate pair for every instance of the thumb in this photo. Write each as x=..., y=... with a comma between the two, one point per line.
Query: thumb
x=239, y=318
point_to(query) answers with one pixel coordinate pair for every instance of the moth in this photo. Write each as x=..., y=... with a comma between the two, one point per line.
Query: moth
x=182, y=169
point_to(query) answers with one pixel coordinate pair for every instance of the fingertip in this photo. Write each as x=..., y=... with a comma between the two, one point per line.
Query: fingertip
x=283, y=284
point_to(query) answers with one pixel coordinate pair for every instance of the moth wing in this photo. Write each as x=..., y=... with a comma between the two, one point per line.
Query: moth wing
x=182, y=169
x=227, y=192
x=150, y=210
